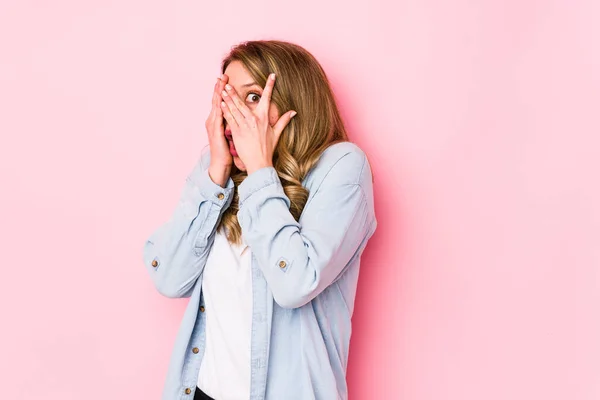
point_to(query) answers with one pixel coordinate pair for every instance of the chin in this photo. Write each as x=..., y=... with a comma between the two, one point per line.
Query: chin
x=239, y=164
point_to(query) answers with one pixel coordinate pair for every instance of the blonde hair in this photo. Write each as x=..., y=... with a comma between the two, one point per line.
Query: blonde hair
x=301, y=85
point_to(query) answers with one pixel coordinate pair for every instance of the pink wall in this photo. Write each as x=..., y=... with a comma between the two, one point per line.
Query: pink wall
x=480, y=118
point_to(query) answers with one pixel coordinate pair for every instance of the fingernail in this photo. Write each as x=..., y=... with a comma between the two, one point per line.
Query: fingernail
x=293, y=114
x=272, y=76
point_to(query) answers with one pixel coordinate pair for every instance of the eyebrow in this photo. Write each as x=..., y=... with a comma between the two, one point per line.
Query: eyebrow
x=250, y=84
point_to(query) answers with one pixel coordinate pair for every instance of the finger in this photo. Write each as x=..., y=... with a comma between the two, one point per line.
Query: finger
x=218, y=110
x=215, y=111
x=228, y=116
x=222, y=82
x=216, y=96
x=265, y=99
x=211, y=116
x=243, y=108
x=281, y=123
x=232, y=108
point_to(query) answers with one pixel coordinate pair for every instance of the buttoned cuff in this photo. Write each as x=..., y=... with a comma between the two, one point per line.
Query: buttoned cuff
x=256, y=181
x=209, y=189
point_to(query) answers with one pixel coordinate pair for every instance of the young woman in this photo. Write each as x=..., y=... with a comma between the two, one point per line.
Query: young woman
x=267, y=238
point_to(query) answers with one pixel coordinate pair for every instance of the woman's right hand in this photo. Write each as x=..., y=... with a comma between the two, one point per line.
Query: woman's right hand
x=220, y=157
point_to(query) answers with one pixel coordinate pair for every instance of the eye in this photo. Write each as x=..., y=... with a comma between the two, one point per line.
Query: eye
x=253, y=97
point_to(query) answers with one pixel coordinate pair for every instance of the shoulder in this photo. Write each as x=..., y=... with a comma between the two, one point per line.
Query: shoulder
x=344, y=163
x=343, y=175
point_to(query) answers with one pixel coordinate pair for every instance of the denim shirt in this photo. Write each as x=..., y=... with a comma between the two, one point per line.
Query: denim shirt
x=304, y=273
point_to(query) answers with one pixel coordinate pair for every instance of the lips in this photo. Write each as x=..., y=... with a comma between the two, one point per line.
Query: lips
x=229, y=138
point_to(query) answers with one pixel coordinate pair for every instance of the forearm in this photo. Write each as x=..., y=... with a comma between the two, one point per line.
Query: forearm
x=219, y=174
x=300, y=259
x=176, y=252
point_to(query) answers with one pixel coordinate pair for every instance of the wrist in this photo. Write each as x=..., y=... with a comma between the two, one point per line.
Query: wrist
x=219, y=174
x=255, y=167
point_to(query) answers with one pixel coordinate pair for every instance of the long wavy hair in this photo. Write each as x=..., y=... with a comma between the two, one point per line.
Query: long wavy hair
x=301, y=85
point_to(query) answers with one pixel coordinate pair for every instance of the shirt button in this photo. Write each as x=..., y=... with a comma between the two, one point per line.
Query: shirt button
x=188, y=390
x=195, y=350
x=202, y=308
x=155, y=263
x=282, y=264
x=221, y=196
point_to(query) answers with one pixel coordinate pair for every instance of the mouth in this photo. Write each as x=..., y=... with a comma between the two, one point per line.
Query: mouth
x=229, y=138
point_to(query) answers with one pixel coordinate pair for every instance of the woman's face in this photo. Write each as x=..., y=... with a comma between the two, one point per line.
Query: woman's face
x=249, y=92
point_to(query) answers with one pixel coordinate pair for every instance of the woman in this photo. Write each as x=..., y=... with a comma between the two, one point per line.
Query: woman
x=267, y=237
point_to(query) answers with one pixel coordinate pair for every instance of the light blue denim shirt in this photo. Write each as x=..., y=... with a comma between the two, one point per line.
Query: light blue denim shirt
x=304, y=274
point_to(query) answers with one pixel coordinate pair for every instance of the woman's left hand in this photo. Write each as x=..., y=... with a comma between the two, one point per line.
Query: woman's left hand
x=254, y=137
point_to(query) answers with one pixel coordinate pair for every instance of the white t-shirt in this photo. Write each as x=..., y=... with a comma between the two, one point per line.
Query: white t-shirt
x=227, y=288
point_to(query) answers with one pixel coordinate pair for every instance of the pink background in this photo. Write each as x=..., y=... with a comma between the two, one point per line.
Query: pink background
x=481, y=120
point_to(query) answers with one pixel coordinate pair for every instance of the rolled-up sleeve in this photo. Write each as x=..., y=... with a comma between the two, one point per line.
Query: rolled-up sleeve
x=175, y=253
